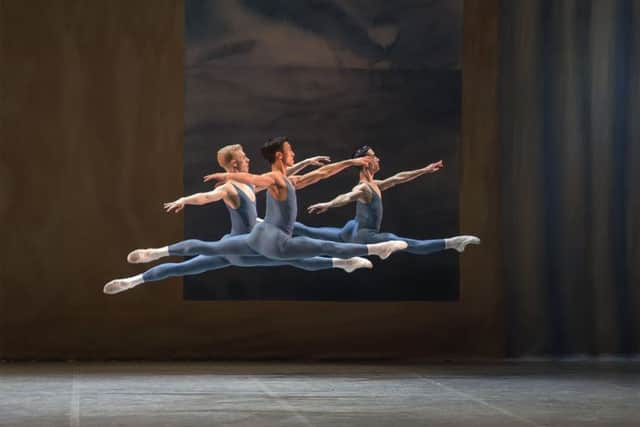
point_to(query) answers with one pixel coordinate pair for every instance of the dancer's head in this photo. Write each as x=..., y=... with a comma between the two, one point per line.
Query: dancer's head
x=374, y=165
x=278, y=149
x=233, y=159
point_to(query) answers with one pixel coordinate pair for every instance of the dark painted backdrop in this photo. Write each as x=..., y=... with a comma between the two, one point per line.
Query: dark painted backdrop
x=332, y=75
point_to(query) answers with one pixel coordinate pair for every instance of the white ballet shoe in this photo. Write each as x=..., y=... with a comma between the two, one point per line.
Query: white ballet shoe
x=351, y=264
x=118, y=285
x=459, y=243
x=385, y=249
x=141, y=256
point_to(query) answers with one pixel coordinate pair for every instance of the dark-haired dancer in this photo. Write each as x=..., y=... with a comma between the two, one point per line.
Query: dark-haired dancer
x=273, y=237
x=365, y=227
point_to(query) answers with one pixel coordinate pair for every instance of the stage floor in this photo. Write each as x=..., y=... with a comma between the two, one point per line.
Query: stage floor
x=320, y=394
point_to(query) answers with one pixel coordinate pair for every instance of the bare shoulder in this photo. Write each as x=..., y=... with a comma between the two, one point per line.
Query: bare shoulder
x=230, y=194
x=384, y=184
x=247, y=189
x=280, y=179
x=228, y=188
x=364, y=192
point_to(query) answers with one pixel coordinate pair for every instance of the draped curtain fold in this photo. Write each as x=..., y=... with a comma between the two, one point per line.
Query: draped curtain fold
x=570, y=104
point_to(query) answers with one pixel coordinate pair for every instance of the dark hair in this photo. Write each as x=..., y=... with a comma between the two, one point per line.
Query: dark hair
x=360, y=151
x=272, y=146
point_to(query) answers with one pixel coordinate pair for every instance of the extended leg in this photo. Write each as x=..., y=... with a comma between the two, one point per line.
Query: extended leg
x=419, y=247
x=322, y=233
x=304, y=247
x=196, y=265
x=229, y=245
x=323, y=263
x=234, y=245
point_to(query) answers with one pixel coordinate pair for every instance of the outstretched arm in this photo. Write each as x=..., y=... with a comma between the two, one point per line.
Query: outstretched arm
x=311, y=161
x=326, y=171
x=406, y=176
x=196, y=199
x=359, y=191
x=264, y=180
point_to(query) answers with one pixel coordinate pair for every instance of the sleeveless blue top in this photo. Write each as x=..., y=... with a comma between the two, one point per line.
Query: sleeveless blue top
x=283, y=213
x=243, y=218
x=369, y=215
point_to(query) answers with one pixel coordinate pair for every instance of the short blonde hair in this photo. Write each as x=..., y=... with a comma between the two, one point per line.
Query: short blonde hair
x=225, y=154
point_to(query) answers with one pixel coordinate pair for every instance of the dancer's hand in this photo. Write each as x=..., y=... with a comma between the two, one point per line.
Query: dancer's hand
x=175, y=206
x=362, y=161
x=434, y=167
x=318, y=208
x=319, y=160
x=220, y=176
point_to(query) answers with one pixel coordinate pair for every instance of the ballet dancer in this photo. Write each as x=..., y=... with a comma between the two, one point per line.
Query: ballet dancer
x=367, y=194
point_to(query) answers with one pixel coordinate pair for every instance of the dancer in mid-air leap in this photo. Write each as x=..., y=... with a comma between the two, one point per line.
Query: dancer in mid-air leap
x=367, y=194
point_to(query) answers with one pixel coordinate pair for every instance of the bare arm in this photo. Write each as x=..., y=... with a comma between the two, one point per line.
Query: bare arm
x=311, y=161
x=406, y=176
x=259, y=189
x=326, y=171
x=358, y=192
x=264, y=180
x=197, y=199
